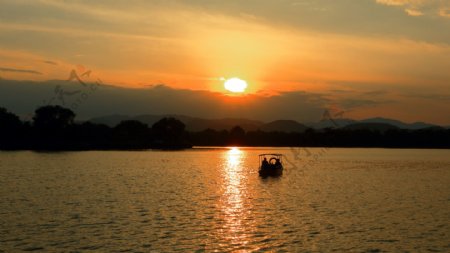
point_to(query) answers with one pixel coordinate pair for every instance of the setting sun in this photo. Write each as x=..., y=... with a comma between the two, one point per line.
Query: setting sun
x=235, y=85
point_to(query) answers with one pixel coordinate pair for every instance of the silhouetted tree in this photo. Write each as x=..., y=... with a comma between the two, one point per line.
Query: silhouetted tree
x=93, y=136
x=132, y=134
x=10, y=129
x=130, y=127
x=169, y=132
x=53, y=117
x=8, y=120
x=53, y=128
x=237, y=136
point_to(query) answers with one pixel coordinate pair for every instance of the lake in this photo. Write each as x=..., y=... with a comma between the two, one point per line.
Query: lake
x=212, y=200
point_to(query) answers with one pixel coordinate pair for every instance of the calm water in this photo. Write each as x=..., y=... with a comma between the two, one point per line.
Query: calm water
x=357, y=200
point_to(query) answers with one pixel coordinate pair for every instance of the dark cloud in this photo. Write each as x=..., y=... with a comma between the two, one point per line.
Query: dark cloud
x=431, y=96
x=342, y=91
x=375, y=93
x=351, y=103
x=23, y=97
x=28, y=71
x=50, y=62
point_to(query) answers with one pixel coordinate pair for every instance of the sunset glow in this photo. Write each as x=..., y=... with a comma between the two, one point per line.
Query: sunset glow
x=289, y=48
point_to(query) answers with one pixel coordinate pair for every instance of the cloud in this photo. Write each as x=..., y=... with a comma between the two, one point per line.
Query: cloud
x=350, y=103
x=445, y=12
x=413, y=12
x=341, y=91
x=417, y=8
x=23, y=97
x=159, y=99
x=394, y=2
x=375, y=93
x=50, y=62
x=27, y=71
x=432, y=97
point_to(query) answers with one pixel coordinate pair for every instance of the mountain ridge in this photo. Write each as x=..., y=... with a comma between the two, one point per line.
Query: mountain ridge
x=196, y=124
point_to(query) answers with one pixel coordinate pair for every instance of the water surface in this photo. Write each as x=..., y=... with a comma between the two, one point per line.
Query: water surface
x=358, y=200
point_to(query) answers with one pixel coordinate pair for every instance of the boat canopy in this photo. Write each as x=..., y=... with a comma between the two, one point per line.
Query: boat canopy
x=279, y=155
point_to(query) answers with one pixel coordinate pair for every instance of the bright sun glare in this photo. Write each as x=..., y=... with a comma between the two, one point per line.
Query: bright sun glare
x=235, y=85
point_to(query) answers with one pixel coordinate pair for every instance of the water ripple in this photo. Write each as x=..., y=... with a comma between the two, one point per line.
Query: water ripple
x=214, y=201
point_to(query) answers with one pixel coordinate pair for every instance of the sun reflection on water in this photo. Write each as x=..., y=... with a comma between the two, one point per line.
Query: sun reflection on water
x=233, y=176
x=233, y=202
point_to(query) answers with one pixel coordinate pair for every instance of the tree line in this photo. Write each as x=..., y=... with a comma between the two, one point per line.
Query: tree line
x=54, y=128
x=329, y=137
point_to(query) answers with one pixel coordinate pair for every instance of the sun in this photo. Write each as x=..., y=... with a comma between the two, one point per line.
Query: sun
x=235, y=85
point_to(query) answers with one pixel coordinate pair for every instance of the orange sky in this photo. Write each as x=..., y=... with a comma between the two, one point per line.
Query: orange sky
x=396, y=46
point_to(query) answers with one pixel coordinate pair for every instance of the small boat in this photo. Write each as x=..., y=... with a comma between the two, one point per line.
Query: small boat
x=271, y=165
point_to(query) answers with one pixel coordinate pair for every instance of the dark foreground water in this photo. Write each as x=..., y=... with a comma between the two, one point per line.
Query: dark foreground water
x=345, y=200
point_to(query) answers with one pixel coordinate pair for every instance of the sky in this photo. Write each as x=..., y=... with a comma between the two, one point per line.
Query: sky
x=369, y=58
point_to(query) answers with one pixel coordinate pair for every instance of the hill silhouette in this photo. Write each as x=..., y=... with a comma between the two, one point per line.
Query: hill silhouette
x=381, y=127
x=200, y=124
x=192, y=123
x=283, y=126
x=397, y=123
x=56, y=128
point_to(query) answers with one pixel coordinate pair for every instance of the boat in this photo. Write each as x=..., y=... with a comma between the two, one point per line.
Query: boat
x=271, y=165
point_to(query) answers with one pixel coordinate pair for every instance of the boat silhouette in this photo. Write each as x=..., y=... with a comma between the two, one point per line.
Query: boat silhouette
x=272, y=166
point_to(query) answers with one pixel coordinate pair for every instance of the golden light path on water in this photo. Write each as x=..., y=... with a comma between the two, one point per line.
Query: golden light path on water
x=235, y=228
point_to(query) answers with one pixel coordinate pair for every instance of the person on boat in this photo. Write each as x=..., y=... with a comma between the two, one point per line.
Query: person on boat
x=277, y=163
x=265, y=163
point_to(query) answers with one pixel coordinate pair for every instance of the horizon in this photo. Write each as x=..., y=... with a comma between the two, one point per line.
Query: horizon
x=374, y=58
x=174, y=115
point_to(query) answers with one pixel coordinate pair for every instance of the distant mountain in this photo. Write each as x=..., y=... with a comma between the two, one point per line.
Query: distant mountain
x=397, y=123
x=335, y=123
x=338, y=123
x=113, y=120
x=110, y=120
x=200, y=124
x=283, y=126
x=381, y=127
x=192, y=124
